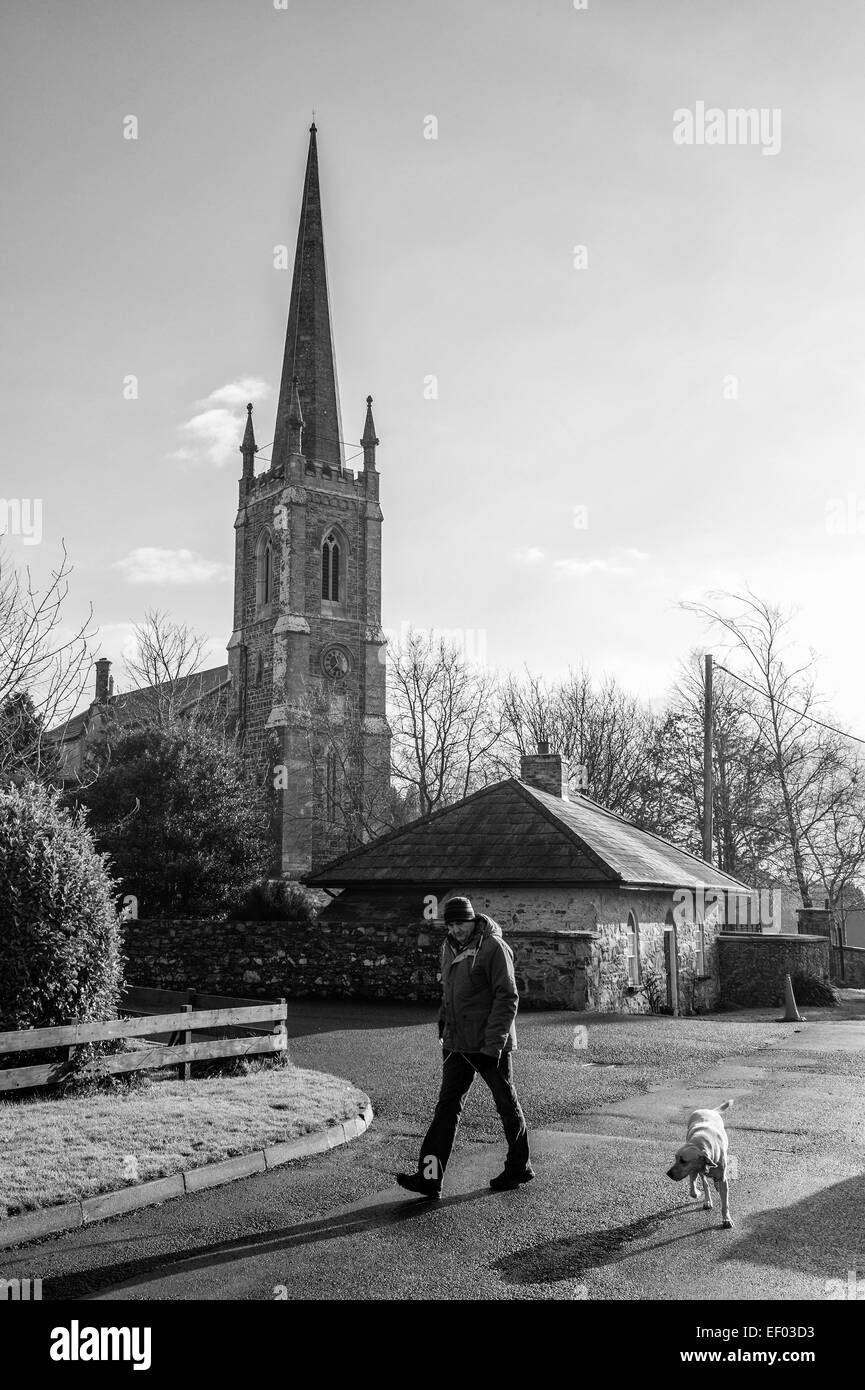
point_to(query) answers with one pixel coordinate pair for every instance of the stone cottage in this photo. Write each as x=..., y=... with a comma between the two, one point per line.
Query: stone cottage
x=585, y=898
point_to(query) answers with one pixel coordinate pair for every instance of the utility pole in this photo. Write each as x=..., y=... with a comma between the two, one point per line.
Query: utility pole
x=707, y=762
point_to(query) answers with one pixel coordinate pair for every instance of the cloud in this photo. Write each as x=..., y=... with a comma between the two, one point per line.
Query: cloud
x=116, y=640
x=620, y=561
x=150, y=565
x=238, y=393
x=572, y=568
x=213, y=435
x=528, y=555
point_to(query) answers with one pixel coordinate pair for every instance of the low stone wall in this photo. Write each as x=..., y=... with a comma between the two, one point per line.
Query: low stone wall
x=752, y=966
x=814, y=921
x=854, y=967
x=269, y=960
x=382, y=957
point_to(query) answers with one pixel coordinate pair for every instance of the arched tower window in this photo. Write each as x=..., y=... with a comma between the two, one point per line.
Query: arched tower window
x=331, y=787
x=331, y=569
x=265, y=576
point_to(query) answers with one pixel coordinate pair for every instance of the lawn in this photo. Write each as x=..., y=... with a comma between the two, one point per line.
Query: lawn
x=59, y=1150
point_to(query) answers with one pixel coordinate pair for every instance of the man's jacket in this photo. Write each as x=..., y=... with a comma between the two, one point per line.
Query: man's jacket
x=479, y=992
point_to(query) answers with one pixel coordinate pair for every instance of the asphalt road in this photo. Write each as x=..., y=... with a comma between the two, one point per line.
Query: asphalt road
x=601, y=1222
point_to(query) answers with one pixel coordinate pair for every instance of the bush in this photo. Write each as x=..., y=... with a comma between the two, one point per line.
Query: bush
x=184, y=826
x=654, y=987
x=276, y=901
x=60, y=958
x=811, y=989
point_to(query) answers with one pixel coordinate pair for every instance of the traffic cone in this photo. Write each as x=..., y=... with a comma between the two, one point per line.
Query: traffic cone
x=791, y=1011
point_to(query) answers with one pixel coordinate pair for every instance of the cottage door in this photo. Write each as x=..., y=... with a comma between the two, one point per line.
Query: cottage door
x=671, y=964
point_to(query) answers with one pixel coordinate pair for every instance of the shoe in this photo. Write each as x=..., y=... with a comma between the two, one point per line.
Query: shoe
x=506, y=1182
x=413, y=1182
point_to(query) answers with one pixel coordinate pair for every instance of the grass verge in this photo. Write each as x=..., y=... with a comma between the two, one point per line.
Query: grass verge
x=62, y=1150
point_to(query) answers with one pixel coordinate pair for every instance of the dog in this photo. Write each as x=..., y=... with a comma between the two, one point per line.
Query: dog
x=704, y=1155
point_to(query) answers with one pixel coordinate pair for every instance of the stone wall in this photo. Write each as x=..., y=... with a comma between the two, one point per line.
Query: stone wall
x=385, y=956
x=269, y=960
x=753, y=966
x=854, y=967
x=814, y=921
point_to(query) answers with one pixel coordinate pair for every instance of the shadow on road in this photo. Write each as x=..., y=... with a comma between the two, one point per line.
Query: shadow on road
x=307, y=1017
x=87, y=1282
x=570, y=1256
x=824, y=1232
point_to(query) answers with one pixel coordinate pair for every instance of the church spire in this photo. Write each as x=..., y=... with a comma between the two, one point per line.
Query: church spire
x=309, y=356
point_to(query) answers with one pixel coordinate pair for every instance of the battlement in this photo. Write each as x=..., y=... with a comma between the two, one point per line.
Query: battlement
x=329, y=475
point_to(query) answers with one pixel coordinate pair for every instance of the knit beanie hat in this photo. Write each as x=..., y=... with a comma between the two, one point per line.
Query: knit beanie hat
x=458, y=910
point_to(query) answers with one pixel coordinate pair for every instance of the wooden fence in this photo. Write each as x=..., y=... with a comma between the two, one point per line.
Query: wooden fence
x=232, y=1029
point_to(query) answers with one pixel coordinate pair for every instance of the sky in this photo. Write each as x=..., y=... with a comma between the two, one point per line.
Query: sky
x=612, y=369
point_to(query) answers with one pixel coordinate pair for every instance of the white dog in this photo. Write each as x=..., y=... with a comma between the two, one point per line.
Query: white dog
x=704, y=1156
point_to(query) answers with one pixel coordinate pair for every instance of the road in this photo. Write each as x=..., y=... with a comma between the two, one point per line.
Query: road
x=601, y=1222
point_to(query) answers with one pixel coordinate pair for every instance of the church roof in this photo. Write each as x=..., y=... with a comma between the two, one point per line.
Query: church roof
x=509, y=833
x=131, y=705
x=309, y=353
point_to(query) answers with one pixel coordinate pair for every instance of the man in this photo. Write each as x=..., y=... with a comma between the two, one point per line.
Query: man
x=477, y=1033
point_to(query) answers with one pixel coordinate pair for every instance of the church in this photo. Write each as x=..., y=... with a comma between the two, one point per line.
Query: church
x=305, y=687
x=306, y=655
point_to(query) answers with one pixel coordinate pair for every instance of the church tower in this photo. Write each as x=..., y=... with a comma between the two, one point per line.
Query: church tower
x=307, y=653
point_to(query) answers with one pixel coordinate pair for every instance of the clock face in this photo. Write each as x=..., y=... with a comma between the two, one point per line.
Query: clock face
x=335, y=662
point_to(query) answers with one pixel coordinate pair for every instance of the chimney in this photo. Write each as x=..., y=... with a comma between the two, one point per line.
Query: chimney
x=545, y=771
x=104, y=683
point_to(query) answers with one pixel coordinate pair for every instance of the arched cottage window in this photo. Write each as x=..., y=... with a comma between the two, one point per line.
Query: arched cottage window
x=632, y=951
x=331, y=575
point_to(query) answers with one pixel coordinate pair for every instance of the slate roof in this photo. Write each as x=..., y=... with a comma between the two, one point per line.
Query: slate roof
x=131, y=704
x=509, y=833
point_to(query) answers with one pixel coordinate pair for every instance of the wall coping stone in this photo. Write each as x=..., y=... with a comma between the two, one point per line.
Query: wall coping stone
x=417, y=924
x=768, y=936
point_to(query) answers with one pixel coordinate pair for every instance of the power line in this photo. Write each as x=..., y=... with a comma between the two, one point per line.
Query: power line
x=329, y=462
x=783, y=705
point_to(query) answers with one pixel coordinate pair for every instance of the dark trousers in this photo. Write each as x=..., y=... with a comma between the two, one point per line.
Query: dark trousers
x=458, y=1073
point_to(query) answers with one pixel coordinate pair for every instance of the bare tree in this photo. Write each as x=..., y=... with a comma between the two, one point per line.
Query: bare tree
x=531, y=715
x=833, y=823
x=162, y=669
x=803, y=752
x=43, y=669
x=602, y=731
x=747, y=826
x=446, y=720
x=353, y=795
